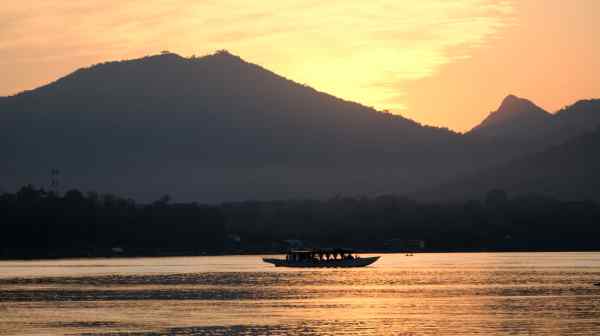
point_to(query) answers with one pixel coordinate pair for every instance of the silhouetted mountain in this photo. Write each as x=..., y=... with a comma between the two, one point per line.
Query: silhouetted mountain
x=218, y=128
x=568, y=171
x=212, y=128
x=516, y=117
x=519, y=128
x=550, y=154
x=519, y=119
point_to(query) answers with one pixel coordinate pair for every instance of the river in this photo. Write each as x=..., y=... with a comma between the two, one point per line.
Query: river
x=423, y=294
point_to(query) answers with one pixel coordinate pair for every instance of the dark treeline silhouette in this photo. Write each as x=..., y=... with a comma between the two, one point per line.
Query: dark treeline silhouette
x=36, y=224
x=530, y=222
x=39, y=224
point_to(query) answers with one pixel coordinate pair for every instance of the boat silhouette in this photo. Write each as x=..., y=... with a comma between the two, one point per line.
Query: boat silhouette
x=322, y=258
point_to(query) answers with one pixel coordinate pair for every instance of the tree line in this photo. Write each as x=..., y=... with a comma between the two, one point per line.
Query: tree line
x=38, y=223
x=496, y=222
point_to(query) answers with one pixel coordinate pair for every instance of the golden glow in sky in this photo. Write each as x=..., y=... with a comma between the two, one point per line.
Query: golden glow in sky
x=445, y=63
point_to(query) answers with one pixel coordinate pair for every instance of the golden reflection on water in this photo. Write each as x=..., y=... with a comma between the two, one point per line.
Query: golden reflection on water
x=427, y=294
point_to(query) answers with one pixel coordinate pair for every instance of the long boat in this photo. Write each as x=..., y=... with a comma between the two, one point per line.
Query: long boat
x=321, y=258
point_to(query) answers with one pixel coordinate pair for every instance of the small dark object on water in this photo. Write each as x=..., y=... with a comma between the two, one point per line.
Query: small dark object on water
x=322, y=258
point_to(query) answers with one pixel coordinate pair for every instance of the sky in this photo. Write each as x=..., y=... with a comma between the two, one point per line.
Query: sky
x=441, y=63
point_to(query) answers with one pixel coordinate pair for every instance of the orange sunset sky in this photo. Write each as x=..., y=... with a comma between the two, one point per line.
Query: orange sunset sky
x=439, y=62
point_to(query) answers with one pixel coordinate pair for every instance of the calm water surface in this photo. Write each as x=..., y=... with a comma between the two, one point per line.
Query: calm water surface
x=426, y=294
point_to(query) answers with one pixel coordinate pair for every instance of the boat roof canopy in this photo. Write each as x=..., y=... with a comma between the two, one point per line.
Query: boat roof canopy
x=322, y=251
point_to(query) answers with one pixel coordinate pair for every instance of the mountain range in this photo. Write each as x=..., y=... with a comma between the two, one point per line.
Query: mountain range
x=519, y=126
x=218, y=128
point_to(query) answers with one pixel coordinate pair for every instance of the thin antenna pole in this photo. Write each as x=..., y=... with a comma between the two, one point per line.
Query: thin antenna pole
x=54, y=184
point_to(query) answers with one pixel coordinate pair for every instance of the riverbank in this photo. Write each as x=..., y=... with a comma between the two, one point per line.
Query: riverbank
x=160, y=253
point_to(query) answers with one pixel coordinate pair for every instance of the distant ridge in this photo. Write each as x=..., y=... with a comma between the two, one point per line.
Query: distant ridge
x=568, y=171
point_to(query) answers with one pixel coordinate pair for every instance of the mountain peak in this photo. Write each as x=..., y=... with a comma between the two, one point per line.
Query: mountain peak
x=515, y=105
x=156, y=71
x=510, y=97
x=225, y=54
x=165, y=58
x=514, y=115
x=511, y=100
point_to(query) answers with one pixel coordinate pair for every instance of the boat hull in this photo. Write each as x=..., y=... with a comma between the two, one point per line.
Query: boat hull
x=345, y=263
